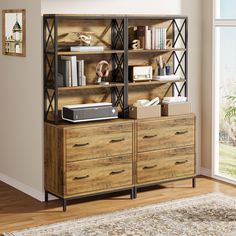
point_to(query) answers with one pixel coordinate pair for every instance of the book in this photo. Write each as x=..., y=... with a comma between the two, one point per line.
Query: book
x=148, y=39
x=160, y=38
x=70, y=76
x=141, y=35
x=166, y=77
x=87, y=49
x=64, y=68
x=80, y=71
x=153, y=38
x=74, y=77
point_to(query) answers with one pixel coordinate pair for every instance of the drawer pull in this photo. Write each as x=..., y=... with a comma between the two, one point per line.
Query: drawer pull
x=117, y=172
x=117, y=140
x=149, y=167
x=149, y=136
x=181, y=132
x=80, y=145
x=81, y=177
x=181, y=162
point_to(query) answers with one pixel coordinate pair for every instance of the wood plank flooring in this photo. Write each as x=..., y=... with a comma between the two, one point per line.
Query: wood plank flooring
x=19, y=211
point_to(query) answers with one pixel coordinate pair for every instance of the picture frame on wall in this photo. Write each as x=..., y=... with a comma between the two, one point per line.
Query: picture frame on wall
x=14, y=32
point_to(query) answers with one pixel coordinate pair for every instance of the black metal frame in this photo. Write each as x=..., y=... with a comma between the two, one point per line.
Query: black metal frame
x=133, y=191
x=133, y=195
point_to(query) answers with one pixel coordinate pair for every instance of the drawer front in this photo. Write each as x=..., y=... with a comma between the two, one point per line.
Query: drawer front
x=165, y=164
x=101, y=174
x=99, y=142
x=165, y=134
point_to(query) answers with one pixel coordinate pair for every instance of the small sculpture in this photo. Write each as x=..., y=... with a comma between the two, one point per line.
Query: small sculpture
x=84, y=39
x=102, y=71
x=135, y=44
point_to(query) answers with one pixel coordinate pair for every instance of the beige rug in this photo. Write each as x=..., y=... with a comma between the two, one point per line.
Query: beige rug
x=212, y=214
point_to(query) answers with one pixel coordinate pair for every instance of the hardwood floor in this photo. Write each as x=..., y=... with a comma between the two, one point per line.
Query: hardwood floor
x=19, y=211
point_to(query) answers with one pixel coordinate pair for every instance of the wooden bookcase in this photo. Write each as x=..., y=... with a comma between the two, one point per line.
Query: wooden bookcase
x=110, y=31
x=100, y=157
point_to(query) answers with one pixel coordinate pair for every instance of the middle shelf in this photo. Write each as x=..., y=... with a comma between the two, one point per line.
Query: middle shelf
x=96, y=86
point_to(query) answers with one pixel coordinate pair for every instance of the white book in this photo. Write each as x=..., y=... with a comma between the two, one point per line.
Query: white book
x=153, y=37
x=87, y=49
x=157, y=38
x=74, y=78
x=82, y=73
x=148, y=39
x=70, y=74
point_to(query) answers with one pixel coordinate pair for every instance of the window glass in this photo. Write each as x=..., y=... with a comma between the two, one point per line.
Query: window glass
x=226, y=9
x=226, y=72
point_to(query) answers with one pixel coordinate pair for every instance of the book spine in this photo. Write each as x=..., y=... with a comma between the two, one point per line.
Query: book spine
x=74, y=76
x=148, y=39
x=141, y=31
x=164, y=40
x=78, y=80
x=153, y=37
x=69, y=74
x=82, y=74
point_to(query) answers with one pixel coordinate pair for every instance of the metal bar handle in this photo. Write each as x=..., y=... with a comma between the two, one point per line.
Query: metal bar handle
x=80, y=145
x=149, y=167
x=81, y=177
x=181, y=162
x=115, y=172
x=117, y=140
x=149, y=136
x=181, y=132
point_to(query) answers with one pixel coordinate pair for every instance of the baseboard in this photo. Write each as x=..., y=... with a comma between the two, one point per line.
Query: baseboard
x=22, y=187
x=205, y=172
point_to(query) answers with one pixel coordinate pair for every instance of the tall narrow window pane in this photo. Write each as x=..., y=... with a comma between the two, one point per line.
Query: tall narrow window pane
x=226, y=72
x=226, y=9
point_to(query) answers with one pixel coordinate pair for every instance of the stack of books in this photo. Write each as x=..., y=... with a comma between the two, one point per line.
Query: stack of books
x=72, y=71
x=151, y=37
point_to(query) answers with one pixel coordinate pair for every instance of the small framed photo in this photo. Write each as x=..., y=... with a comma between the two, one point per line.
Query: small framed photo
x=14, y=32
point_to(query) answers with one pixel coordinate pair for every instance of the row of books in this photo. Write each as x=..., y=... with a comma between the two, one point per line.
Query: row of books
x=72, y=71
x=152, y=37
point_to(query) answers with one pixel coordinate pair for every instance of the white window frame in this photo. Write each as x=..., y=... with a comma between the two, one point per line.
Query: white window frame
x=217, y=23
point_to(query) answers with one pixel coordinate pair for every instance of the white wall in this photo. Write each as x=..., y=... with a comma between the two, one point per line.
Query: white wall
x=193, y=9
x=207, y=86
x=111, y=6
x=21, y=101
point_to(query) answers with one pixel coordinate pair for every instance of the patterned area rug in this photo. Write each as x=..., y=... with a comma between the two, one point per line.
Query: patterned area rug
x=211, y=214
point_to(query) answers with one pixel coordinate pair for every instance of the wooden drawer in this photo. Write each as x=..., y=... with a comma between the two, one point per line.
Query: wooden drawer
x=165, y=164
x=165, y=134
x=99, y=174
x=99, y=142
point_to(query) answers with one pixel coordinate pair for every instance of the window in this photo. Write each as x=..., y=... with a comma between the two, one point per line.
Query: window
x=224, y=149
x=225, y=9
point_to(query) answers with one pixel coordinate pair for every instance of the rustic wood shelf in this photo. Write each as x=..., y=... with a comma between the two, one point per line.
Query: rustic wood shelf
x=69, y=53
x=156, y=82
x=156, y=50
x=97, y=86
x=91, y=86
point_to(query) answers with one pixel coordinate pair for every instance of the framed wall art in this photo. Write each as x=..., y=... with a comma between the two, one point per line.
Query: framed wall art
x=14, y=32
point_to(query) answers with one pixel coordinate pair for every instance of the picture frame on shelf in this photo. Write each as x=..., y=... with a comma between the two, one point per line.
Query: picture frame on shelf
x=14, y=32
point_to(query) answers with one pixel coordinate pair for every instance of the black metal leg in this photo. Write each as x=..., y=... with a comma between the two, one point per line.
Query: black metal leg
x=133, y=193
x=193, y=182
x=46, y=196
x=64, y=204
